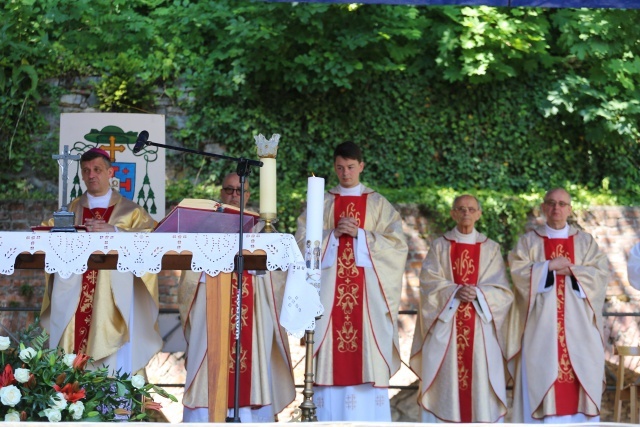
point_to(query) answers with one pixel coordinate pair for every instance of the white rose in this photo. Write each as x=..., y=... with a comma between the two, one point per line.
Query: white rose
x=137, y=381
x=12, y=417
x=27, y=354
x=21, y=375
x=10, y=395
x=76, y=410
x=68, y=359
x=58, y=401
x=5, y=342
x=53, y=415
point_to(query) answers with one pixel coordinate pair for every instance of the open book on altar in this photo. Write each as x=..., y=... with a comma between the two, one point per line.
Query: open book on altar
x=206, y=216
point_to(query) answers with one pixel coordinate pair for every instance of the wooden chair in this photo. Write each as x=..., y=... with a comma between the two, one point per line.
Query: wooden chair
x=624, y=392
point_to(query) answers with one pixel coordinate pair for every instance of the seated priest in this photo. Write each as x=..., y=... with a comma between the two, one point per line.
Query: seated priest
x=109, y=315
x=266, y=379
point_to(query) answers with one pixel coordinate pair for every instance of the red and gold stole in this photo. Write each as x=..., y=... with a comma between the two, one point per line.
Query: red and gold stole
x=89, y=281
x=347, y=314
x=246, y=341
x=567, y=386
x=465, y=263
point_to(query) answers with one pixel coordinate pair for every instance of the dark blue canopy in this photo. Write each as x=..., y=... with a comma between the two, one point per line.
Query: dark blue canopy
x=617, y=4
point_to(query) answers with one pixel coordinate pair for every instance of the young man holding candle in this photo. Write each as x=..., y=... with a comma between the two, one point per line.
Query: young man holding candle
x=363, y=259
x=266, y=382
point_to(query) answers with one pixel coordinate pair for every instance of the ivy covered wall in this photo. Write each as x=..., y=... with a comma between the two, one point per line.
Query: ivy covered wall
x=504, y=103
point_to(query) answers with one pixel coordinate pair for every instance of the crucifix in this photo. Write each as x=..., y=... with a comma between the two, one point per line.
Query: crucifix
x=63, y=220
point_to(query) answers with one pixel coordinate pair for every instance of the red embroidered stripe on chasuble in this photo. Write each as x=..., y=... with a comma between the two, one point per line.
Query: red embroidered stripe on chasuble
x=465, y=261
x=347, y=314
x=89, y=280
x=567, y=385
x=246, y=341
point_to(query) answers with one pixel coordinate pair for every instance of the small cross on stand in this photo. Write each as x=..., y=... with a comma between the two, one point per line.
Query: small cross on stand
x=63, y=220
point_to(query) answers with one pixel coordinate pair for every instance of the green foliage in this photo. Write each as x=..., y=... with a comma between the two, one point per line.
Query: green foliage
x=42, y=384
x=510, y=101
x=26, y=290
x=120, y=90
x=483, y=43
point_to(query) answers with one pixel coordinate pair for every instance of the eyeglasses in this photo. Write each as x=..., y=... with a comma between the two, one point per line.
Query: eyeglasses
x=231, y=190
x=464, y=209
x=553, y=203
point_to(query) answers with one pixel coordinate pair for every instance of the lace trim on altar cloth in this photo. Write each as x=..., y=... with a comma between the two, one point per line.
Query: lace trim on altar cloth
x=138, y=253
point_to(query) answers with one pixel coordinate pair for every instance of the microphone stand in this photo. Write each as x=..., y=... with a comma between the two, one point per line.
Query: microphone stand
x=243, y=170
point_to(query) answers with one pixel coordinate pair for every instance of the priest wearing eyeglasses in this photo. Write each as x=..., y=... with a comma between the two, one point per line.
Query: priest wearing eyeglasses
x=560, y=278
x=459, y=345
x=266, y=379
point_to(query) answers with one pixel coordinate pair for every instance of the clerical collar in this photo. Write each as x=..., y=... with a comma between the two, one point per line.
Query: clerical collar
x=552, y=233
x=353, y=191
x=99, y=201
x=466, y=238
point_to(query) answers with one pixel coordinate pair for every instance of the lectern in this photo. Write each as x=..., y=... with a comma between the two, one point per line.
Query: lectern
x=208, y=216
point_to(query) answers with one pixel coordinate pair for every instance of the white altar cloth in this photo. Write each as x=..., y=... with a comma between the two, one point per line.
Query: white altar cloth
x=138, y=253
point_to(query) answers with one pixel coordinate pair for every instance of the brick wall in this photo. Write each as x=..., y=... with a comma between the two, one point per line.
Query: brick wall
x=616, y=230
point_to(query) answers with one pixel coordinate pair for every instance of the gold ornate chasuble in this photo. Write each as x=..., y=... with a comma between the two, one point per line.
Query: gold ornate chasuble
x=566, y=386
x=437, y=338
x=347, y=315
x=465, y=262
x=246, y=336
x=89, y=280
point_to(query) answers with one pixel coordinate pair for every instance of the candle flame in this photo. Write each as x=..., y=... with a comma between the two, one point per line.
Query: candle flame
x=313, y=174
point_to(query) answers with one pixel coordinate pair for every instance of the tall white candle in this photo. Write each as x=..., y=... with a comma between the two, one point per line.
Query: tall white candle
x=315, y=216
x=268, y=192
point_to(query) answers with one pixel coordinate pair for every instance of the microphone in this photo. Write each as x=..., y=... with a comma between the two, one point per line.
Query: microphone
x=142, y=141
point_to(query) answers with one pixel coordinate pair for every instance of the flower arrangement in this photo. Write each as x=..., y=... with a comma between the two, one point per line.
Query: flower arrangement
x=41, y=384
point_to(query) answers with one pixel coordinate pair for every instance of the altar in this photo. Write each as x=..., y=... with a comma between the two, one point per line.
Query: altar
x=138, y=253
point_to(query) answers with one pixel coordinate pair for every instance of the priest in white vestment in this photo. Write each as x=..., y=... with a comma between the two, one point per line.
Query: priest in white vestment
x=633, y=266
x=266, y=383
x=109, y=315
x=364, y=253
x=556, y=339
x=459, y=348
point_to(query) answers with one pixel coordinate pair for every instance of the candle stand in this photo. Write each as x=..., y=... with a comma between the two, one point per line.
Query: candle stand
x=307, y=406
x=269, y=219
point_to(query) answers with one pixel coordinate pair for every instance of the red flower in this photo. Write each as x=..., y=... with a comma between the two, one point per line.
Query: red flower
x=7, y=378
x=71, y=392
x=80, y=362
